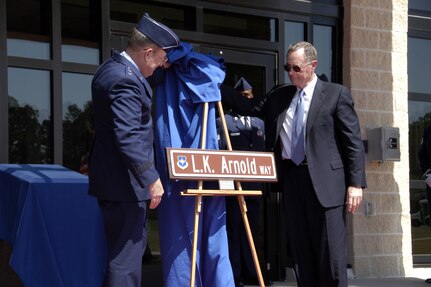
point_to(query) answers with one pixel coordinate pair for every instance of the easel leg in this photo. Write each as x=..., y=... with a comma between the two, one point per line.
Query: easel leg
x=198, y=203
x=242, y=204
x=241, y=201
x=198, y=207
x=243, y=207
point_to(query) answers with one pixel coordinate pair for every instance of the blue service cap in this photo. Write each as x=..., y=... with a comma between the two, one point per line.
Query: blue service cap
x=161, y=35
x=242, y=85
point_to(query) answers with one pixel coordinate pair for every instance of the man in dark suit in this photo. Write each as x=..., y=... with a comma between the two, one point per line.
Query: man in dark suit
x=321, y=164
x=245, y=133
x=122, y=174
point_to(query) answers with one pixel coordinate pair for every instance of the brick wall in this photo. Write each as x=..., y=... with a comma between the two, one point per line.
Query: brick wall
x=375, y=69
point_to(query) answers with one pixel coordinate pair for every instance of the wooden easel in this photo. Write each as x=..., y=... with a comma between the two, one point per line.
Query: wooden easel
x=238, y=192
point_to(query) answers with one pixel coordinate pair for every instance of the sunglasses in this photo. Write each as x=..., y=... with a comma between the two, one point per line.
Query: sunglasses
x=296, y=68
x=162, y=59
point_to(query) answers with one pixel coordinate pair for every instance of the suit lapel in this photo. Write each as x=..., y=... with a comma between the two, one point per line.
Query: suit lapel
x=317, y=101
x=239, y=125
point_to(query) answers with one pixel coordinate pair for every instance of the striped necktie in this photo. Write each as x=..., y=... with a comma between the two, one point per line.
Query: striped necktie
x=298, y=151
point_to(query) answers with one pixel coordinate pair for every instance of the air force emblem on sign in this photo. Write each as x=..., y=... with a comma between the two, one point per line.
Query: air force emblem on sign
x=182, y=162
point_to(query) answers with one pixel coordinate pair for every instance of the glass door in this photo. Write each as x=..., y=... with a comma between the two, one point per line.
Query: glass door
x=259, y=69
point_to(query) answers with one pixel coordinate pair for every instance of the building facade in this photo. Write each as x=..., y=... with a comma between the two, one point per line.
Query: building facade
x=50, y=49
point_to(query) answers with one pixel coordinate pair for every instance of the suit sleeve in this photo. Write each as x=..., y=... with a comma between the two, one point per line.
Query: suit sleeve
x=349, y=131
x=132, y=126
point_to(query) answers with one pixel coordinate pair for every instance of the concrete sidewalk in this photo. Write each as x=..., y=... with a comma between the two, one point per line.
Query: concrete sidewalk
x=372, y=282
x=416, y=279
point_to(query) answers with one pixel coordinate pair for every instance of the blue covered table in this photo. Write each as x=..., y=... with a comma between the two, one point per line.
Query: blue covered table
x=54, y=227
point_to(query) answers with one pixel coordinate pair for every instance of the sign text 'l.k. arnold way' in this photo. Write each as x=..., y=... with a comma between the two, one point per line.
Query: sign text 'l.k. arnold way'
x=196, y=164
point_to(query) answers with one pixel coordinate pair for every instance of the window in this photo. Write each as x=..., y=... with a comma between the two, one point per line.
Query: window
x=77, y=127
x=80, y=28
x=294, y=32
x=322, y=40
x=173, y=16
x=419, y=5
x=30, y=123
x=28, y=29
x=323, y=43
x=240, y=25
x=419, y=112
x=419, y=98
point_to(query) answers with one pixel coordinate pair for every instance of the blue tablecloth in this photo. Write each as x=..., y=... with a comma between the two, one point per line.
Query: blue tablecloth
x=55, y=228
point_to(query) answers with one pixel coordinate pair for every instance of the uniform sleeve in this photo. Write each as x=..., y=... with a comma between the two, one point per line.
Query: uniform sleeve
x=132, y=126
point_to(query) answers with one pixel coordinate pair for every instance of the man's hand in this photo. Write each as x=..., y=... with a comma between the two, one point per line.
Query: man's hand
x=156, y=191
x=428, y=179
x=354, y=198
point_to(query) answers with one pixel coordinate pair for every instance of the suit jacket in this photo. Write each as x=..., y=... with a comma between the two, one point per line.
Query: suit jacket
x=334, y=149
x=121, y=163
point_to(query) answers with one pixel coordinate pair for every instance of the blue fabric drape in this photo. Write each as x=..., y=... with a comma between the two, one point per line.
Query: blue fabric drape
x=192, y=80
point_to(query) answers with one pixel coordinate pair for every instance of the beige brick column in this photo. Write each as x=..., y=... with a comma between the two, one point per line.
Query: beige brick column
x=375, y=69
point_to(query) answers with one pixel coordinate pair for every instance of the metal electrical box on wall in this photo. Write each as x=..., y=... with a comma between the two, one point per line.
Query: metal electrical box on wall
x=384, y=144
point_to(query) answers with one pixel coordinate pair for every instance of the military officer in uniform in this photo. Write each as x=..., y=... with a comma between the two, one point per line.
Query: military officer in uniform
x=122, y=173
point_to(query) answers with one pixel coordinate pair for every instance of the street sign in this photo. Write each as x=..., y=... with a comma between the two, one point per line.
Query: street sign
x=198, y=164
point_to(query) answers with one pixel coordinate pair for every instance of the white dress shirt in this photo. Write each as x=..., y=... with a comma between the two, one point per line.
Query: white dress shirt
x=286, y=131
x=125, y=55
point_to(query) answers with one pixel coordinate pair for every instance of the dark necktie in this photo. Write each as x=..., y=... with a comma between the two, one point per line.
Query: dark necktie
x=298, y=152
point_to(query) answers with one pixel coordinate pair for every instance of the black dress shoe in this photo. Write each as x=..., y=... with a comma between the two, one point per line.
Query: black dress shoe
x=255, y=282
x=428, y=281
x=252, y=282
x=239, y=283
